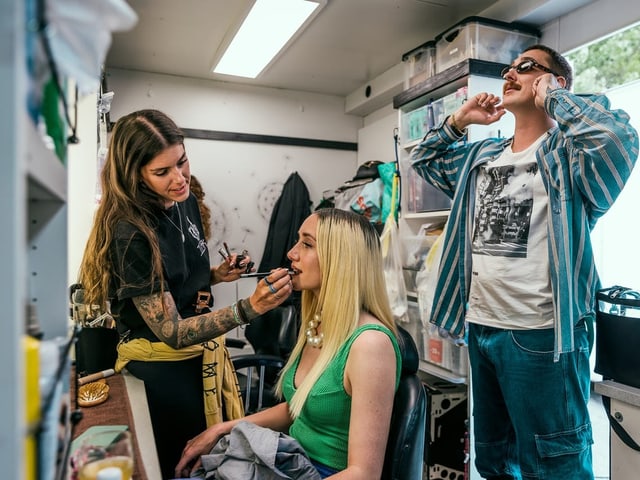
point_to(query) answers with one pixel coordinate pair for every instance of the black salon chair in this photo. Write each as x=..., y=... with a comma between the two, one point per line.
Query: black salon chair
x=272, y=336
x=405, y=446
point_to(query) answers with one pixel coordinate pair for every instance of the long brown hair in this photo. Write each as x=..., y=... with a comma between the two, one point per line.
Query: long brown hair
x=136, y=139
x=205, y=211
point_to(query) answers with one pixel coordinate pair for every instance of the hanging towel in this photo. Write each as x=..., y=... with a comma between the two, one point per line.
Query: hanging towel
x=220, y=384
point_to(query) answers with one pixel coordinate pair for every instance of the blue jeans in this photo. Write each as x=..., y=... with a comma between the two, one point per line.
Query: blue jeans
x=323, y=470
x=530, y=413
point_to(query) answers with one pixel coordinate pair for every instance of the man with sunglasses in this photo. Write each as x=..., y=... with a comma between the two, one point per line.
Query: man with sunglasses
x=517, y=274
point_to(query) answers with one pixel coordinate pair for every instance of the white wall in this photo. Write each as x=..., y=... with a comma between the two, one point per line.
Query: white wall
x=375, y=138
x=237, y=108
x=589, y=23
x=82, y=178
x=242, y=181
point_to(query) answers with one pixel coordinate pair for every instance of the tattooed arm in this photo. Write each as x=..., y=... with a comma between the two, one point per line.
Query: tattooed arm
x=161, y=315
x=170, y=328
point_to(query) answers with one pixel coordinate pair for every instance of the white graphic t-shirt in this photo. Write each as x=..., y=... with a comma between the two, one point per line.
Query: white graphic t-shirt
x=510, y=284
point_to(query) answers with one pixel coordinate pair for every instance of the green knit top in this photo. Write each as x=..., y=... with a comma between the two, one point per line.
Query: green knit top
x=322, y=428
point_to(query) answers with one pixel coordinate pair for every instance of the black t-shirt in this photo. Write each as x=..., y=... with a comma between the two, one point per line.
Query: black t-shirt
x=185, y=264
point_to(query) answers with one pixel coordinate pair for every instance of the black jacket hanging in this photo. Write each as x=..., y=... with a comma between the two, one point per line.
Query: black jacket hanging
x=289, y=211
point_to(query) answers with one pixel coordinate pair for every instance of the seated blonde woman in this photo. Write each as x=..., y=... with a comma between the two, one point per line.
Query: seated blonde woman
x=340, y=380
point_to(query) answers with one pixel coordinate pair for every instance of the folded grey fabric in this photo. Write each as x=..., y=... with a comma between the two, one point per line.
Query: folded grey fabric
x=252, y=452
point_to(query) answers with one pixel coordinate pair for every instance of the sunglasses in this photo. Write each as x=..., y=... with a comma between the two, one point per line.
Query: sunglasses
x=526, y=66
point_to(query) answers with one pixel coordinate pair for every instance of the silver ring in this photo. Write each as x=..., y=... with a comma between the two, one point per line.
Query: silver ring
x=271, y=289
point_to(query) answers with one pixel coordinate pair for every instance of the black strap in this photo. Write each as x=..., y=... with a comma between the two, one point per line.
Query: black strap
x=619, y=429
x=619, y=295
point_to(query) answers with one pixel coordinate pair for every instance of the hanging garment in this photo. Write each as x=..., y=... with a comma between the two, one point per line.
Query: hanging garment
x=290, y=210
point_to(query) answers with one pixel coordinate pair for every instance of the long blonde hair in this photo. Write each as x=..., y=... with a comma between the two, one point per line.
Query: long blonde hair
x=352, y=282
x=136, y=139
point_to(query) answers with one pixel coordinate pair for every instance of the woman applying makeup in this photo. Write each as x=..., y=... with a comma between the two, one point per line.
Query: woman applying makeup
x=147, y=257
x=340, y=380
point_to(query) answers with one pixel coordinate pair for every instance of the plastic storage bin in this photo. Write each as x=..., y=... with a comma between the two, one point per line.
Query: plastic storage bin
x=422, y=196
x=415, y=124
x=482, y=39
x=415, y=248
x=419, y=64
x=447, y=353
x=453, y=101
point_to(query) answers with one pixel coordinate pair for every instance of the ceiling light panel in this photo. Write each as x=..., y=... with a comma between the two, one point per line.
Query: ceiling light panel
x=269, y=26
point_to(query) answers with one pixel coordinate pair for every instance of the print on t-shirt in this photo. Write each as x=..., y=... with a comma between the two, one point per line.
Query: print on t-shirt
x=503, y=211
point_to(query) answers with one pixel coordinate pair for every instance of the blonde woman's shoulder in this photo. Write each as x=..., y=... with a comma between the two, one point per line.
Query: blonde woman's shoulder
x=366, y=318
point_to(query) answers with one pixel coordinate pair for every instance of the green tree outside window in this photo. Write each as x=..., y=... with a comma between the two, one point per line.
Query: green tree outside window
x=608, y=63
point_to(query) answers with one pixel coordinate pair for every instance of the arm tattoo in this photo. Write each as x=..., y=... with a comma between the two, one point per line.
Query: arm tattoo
x=161, y=315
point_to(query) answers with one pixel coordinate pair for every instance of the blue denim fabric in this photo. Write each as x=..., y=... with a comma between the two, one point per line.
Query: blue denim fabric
x=323, y=470
x=530, y=413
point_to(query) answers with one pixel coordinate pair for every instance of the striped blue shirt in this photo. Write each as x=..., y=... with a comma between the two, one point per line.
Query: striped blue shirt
x=584, y=162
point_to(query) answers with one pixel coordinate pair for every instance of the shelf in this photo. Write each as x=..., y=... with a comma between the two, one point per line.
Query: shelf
x=448, y=78
x=411, y=144
x=436, y=214
x=440, y=372
x=618, y=391
x=47, y=176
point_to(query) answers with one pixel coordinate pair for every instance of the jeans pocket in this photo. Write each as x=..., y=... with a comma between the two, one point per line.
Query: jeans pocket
x=566, y=454
x=534, y=341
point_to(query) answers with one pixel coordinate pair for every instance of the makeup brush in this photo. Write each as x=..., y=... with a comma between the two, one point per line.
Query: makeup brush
x=262, y=274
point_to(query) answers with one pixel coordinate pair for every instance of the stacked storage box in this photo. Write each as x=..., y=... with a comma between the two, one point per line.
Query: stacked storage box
x=444, y=351
x=474, y=37
x=416, y=123
x=483, y=39
x=420, y=64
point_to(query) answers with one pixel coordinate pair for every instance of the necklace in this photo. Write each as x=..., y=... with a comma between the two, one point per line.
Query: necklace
x=179, y=219
x=313, y=337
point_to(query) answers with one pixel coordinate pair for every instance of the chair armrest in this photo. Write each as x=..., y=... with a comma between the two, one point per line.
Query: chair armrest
x=257, y=360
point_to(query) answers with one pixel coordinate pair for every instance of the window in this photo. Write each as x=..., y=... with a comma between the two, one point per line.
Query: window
x=614, y=241
x=612, y=66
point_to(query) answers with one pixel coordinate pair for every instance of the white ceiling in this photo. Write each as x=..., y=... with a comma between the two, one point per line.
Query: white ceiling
x=349, y=42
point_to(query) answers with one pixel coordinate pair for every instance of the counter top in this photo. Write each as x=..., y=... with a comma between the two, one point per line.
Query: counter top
x=618, y=391
x=127, y=405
